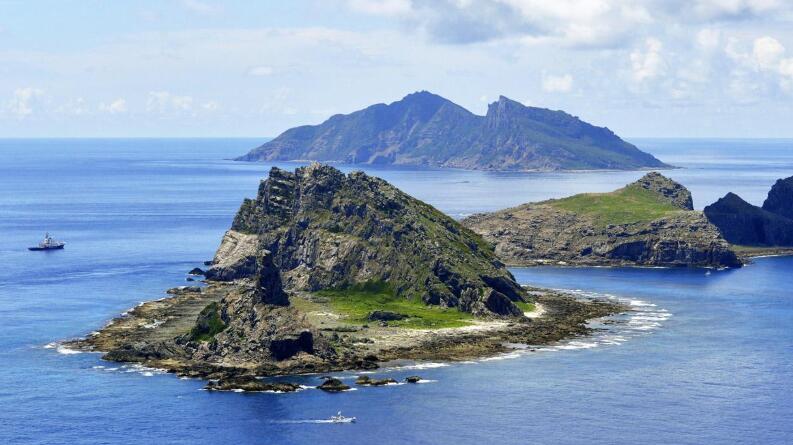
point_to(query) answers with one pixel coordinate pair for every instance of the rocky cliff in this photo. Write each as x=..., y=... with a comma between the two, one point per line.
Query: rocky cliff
x=748, y=225
x=648, y=222
x=780, y=198
x=427, y=130
x=328, y=230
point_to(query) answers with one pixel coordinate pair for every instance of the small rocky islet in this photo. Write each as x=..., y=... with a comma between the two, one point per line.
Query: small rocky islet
x=650, y=222
x=325, y=272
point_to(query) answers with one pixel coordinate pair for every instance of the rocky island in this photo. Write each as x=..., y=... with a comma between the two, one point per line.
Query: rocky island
x=649, y=223
x=324, y=271
x=424, y=129
x=747, y=225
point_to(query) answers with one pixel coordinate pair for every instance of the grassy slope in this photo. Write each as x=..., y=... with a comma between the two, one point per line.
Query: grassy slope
x=357, y=302
x=624, y=206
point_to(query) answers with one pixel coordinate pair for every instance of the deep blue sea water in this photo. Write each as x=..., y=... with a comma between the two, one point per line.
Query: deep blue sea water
x=707, y=359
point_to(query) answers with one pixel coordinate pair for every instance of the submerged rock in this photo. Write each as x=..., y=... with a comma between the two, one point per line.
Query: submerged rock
x=412, y=379
x=196, y=271
x=367, y=381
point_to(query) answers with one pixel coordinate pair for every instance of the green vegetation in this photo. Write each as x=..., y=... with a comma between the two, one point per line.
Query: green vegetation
x=357, y=302
x=624, y=206
x=208, y=324
x=525, y=307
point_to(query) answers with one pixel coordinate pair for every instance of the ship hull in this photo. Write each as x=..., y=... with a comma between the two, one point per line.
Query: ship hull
x=46, y=248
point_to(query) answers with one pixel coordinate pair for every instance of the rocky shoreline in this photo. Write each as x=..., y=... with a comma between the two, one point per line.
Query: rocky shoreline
x=145, y=335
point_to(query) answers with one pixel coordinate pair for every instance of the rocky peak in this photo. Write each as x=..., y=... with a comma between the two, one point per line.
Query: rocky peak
x=780, y=198
x=344, y=230
x=670, y=190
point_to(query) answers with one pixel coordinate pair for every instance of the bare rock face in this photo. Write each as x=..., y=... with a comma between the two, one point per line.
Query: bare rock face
x=258, y=325
x=235, y=258
x=780, y=198
x=327, y=230
x=670, y=190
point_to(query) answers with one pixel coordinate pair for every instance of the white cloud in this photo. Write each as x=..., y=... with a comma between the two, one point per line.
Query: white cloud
x=117, y=106
x=708, y=38
x=767, y=52
x=210, y=106
x=260, y=71
x=647, y=63
x=557, y=84
x=24, y=101
x=164, y=102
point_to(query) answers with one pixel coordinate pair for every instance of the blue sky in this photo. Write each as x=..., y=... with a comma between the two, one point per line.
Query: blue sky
x=667, y=68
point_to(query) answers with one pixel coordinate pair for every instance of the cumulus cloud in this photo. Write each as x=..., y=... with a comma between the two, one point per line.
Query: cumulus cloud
x=647, y=63
x=24, y=101
x=164, y=102
x=575, y=23
x=557, y=84
x=117, y=106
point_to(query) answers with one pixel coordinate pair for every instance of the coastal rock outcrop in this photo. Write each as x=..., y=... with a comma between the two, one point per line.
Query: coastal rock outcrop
x=427, y=130
x=328, y=230
x=648, y=222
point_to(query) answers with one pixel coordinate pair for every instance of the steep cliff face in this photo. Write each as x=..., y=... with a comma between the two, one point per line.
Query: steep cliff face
x=327, y=230
x=643, y=224
x=748, y=225
x=428, y=130
x=780, y=198
x=256, y=325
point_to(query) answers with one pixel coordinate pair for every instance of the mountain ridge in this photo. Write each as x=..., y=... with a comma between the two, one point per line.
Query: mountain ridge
x=425, y=129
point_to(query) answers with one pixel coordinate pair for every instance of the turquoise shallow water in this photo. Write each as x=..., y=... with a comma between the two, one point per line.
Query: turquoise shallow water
x=706, y=358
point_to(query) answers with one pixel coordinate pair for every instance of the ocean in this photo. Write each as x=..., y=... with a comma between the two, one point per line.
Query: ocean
x=706, y=357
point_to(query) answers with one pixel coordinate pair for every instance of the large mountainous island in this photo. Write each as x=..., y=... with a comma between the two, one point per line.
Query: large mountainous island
x=424, y=129
x=650, y=222
x=324, y=271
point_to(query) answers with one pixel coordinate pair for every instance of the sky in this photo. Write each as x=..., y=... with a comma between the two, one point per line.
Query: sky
x=205, y=68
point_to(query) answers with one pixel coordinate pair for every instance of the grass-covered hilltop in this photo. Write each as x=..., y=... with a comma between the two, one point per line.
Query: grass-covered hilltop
x=425, y=129
x=648, y=222
x=325, y=271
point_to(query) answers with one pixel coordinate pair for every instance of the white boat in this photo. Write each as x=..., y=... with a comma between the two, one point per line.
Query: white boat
x=338, y=418
x=49, y=243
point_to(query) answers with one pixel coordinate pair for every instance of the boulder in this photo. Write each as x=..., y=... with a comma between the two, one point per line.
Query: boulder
x=333, y=385
x=196, y=271
x=385, y=316
x=413, y=379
